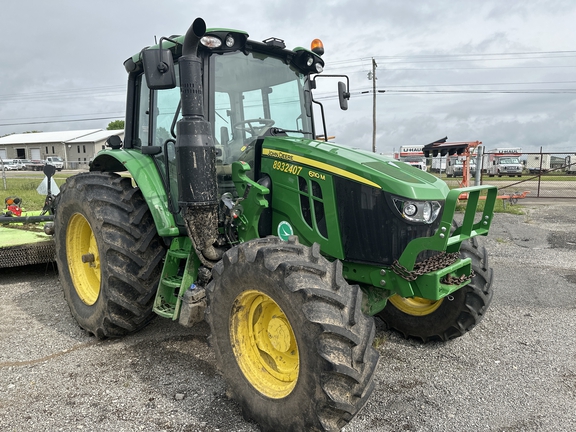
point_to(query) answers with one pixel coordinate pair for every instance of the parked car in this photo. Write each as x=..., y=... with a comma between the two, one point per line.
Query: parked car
x=24, y=163
x=12, y=165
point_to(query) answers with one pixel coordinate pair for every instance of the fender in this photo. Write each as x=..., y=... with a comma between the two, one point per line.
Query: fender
x=144, y=172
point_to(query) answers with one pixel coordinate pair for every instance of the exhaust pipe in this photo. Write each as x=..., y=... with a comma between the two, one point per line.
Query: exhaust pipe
x=196, y=153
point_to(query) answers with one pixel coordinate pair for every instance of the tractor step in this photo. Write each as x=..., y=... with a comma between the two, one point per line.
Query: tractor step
x=173, y=281
x=178, y=274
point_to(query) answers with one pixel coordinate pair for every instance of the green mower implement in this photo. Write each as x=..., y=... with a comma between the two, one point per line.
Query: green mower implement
x=26, y=236
x=22, y=245
x=224, y=204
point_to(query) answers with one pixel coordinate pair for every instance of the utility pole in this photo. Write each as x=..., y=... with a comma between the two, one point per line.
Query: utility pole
x=374, y=65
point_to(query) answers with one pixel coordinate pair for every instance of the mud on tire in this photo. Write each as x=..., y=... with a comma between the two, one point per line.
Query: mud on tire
x=108, y=252
x=290, y=337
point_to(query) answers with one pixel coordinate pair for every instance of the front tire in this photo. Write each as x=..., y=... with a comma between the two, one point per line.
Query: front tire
x=108, y=252
x=290, y=337
x=450, y=317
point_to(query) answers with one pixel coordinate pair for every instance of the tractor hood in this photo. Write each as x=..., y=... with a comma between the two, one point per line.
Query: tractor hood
x=386, y=173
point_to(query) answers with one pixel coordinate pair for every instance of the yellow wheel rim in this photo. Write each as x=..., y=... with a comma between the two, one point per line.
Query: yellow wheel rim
x=83, y=259
x=264, y=344
x=416, y=306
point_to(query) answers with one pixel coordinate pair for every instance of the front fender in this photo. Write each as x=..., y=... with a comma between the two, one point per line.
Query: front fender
x=145, y=173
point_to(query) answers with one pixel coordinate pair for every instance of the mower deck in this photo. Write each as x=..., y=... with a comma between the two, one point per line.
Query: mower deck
x=19, y=247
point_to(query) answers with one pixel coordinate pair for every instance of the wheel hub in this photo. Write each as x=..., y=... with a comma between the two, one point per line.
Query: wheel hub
x=83, y=259
x=279, y=334
x=264, y=344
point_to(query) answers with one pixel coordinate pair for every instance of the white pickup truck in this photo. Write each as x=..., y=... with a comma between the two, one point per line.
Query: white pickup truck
x=57, y=161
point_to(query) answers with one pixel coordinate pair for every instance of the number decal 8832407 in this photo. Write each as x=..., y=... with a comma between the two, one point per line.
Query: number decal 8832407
x=286, y=167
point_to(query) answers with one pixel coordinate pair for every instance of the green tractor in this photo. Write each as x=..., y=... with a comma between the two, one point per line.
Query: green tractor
x=223, y=204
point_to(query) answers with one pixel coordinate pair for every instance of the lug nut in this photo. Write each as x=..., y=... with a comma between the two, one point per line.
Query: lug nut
x=88, y=258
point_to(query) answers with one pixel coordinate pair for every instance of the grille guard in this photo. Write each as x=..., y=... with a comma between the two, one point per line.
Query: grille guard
x=429, y=285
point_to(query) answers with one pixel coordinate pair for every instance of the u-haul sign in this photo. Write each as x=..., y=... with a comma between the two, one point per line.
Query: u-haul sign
x=508, y=151
x=411, y=151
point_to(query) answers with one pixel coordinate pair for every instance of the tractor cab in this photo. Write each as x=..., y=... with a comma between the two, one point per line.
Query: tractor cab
x=250, y=90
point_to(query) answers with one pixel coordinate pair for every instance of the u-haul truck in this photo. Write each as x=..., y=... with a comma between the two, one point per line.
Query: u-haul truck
x=503, y=161
x=412, y=155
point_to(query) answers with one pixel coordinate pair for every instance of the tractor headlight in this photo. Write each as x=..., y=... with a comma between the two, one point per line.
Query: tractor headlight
x=211, y=42
x=418, y=211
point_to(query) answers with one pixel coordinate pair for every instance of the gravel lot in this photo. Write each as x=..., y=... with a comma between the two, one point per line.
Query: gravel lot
x=515, y=372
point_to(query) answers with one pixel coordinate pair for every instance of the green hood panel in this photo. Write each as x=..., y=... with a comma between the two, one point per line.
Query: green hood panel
x=379, y=171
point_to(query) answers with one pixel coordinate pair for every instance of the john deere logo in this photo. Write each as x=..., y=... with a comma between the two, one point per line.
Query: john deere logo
x=285, y=230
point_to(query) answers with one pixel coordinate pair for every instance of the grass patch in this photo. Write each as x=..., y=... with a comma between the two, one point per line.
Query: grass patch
x=379, y=341
x=25, y=189
x=501, y=206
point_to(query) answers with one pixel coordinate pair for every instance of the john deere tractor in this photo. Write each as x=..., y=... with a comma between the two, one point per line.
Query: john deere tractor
x=223, y=204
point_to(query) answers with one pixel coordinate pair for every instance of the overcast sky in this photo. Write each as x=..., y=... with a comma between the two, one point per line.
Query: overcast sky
x=502, y=72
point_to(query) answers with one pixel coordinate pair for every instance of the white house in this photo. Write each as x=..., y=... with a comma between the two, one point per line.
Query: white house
x=77, y=148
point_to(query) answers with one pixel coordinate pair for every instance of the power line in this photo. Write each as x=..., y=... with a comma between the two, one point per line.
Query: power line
x=361, y=69
x=368, y=92
x=409, y=56
x=64, y=94
x=488, y=91
x=471, y=60
x=60, y=121
x=69, y=90
x=61, y=116
x=480, y=84
x=535, y=91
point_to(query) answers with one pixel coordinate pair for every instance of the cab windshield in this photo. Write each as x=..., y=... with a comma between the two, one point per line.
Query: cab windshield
x=251, y=94
x=509, y=160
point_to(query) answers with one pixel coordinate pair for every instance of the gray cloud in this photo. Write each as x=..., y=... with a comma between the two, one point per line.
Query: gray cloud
x=63, y=60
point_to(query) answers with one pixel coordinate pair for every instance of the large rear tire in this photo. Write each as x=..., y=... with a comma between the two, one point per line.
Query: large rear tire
x=290, y=337
x=108, y=252
x=450, y=317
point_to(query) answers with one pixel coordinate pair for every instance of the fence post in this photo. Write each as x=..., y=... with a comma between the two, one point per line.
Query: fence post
x=539, y=173
x=478, y=176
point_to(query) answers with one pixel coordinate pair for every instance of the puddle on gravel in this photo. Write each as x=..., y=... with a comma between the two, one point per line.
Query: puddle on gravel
x=562, y=240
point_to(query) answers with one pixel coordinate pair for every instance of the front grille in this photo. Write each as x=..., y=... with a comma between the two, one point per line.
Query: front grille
x=372, y=231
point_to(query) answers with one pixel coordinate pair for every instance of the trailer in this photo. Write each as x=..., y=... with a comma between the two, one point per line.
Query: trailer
x=455, y=166
x=570, y=164
x=538, y=163
x=438, y=164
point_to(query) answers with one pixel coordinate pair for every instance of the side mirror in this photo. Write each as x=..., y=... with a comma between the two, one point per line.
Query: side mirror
x=343, y=95
x=159, y=69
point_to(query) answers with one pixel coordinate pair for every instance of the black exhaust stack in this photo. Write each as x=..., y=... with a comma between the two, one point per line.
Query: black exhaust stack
x=195, y=153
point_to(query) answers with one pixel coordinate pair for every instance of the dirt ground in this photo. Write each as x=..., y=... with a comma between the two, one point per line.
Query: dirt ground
x=516, y=371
